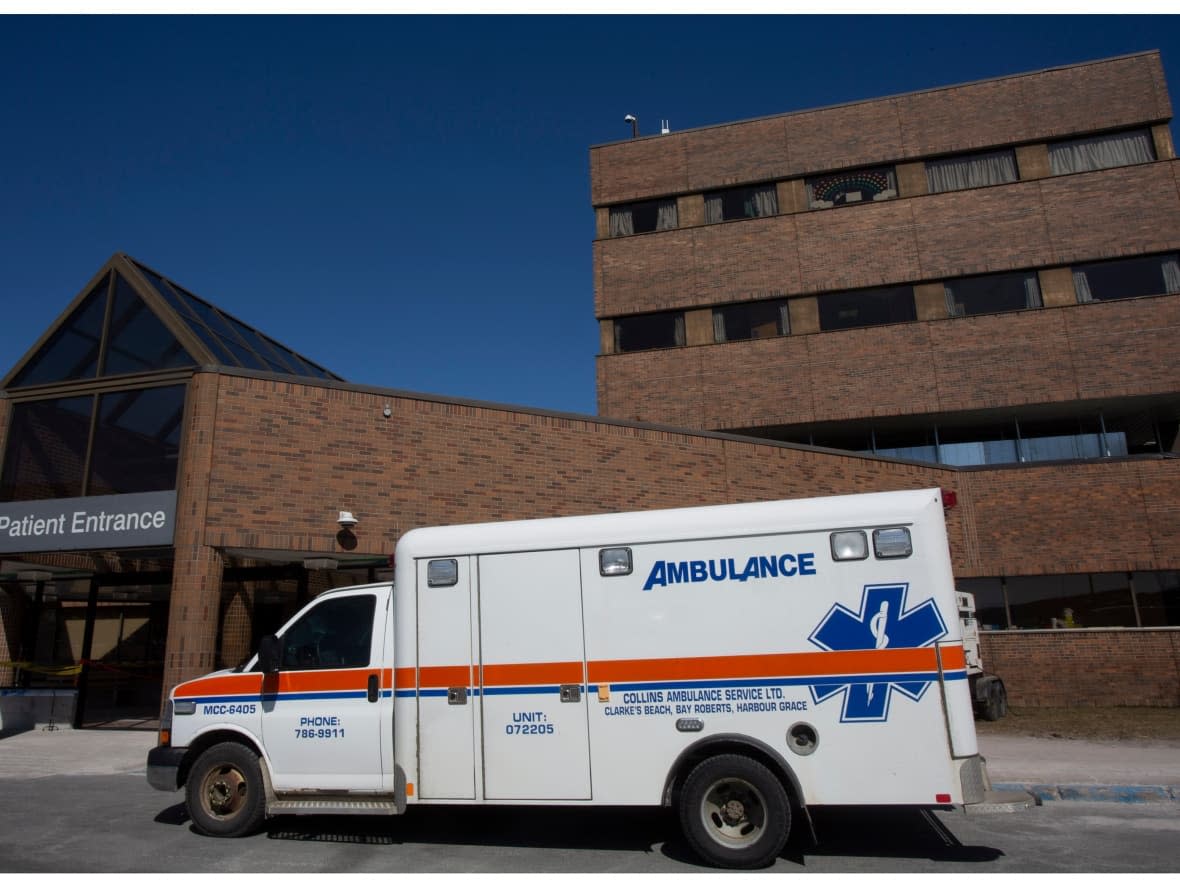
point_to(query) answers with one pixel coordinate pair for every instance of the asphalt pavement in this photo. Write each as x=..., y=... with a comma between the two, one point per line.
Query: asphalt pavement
x=1049, y=768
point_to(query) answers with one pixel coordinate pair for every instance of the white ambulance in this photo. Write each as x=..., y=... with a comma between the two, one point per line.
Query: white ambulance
x=741, y=663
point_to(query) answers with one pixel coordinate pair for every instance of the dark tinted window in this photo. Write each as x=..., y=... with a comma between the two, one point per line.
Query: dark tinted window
x=649, y=331
x=137, y=441
x=994, y=293
x=987, y=444
x=741, y=202
x=181, y=306
x=1127, y=278
x=72, y=353
x=990, y=613
x=220, y=327
x=869, y=307
x=1158, y=597
x=46, y=451
x=137, y=341
x=758, y=319
x=1065, y=439
x=1070, y=601
x=335, y=634
x=232, y=342
x=641, y=218
x=915, y=444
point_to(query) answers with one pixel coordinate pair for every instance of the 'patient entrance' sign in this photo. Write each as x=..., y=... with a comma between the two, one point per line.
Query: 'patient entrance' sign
x=145, y=519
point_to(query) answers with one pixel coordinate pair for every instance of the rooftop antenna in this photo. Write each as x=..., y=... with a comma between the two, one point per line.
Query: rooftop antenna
x=634, y=121
x=664, y=129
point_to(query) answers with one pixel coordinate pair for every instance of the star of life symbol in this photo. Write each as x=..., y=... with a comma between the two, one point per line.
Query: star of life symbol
x=882, y=622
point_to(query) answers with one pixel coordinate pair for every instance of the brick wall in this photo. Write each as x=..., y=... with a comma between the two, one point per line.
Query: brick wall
x=1088, y=216
x=1082, y=98
x=197, y=567
x=269, y=463
x=1086, y=668
x=1066, y=354
x=288, y=456
x=1112, y=516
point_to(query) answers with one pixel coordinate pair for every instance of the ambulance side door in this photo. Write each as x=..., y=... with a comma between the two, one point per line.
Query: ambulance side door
x=446, y=682
x=536, y=733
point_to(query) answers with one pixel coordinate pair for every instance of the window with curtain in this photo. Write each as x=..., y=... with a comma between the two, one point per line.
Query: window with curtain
x=649, y=331
x=868, y=307
x=758, y=319
x=642, y=218
x=741, y=202
x=1127, y=278
x=971, y=170
x=992, y=293
x=1101, y=152
x=844, y=188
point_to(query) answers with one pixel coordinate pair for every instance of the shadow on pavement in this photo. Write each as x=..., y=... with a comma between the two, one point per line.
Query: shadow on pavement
x=843, y=832
x=891, y=832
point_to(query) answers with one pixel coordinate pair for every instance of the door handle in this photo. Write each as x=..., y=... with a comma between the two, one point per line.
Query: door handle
x=457, y=696
x=374, y=688
x=571, y=694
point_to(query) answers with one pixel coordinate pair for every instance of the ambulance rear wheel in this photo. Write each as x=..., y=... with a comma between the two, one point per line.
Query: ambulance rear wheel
x=224, y=791
x=734, y=812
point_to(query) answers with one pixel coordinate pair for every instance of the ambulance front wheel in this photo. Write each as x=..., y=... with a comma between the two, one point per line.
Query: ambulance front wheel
x=224, y=791
x=735, y=812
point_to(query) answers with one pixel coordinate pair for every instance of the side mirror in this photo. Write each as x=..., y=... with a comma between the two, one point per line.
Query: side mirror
x=270, y=653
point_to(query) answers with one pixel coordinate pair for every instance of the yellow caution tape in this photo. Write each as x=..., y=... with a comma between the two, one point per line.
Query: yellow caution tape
x=68, y=670
x=75, y=669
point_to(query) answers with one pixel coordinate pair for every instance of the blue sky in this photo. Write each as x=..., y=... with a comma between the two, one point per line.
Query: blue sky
x=406, y=199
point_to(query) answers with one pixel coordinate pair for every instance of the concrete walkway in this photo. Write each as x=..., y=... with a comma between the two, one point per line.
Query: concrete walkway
x=1060, y=768
x=1050, y=768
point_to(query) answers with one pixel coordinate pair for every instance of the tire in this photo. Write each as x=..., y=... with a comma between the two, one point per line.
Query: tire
x=734, y=812
x=996, y=705
x=1001, y=700
x=224, y=791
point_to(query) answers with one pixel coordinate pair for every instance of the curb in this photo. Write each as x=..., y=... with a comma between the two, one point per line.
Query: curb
x=1126, y=793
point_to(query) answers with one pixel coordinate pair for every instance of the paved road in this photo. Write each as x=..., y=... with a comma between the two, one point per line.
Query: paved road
x=116, y=823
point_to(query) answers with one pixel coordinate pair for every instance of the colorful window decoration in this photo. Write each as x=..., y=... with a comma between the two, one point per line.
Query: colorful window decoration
x=859, y=186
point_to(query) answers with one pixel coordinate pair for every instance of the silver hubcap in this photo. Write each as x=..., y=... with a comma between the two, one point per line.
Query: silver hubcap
x=734, y=813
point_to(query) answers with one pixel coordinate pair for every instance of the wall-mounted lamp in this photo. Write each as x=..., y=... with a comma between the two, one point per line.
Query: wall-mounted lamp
x=346, y=519
x=387, y=411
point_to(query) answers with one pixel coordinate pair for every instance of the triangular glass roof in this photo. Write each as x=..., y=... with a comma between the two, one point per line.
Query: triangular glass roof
x=132, y=320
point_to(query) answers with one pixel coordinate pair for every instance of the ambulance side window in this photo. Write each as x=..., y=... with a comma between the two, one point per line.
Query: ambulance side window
x=335, y=634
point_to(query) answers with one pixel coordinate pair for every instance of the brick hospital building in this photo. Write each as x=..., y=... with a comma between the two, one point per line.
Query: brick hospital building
x=974, y=287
